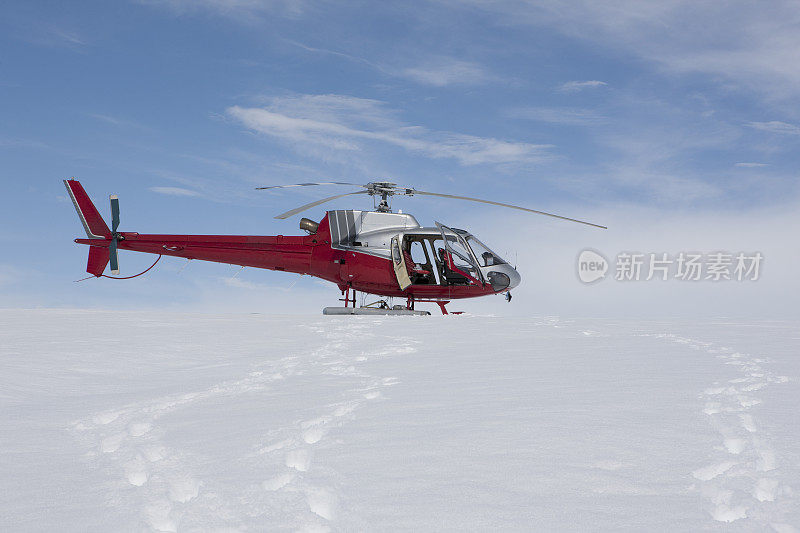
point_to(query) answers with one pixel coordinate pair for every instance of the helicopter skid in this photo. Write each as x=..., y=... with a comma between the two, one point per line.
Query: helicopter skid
x=370, y=311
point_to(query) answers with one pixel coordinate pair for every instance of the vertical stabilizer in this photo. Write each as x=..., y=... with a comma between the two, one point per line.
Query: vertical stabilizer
x=98, y=259
x=93, y=223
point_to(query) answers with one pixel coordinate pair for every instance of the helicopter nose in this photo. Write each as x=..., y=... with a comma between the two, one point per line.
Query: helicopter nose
x=503, y=277
x=514, y=277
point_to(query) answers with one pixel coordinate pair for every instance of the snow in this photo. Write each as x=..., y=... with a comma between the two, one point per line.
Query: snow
x=132, y=421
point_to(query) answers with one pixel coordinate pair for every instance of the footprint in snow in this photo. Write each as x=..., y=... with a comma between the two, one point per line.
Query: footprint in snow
x=765, y=490
x=724, y=511
x=139, y=429
x=278, y=482
x=135, y=472
x=106, y=418
x=299, y=459
x=184, y=490
x=322, y=502
x=111, y=444
x=734, y=446
x=747, y=422
x=158, y=516
x=708, y=473
x=313, y=435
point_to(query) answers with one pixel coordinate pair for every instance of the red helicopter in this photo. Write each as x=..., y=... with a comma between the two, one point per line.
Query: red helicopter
x=376, y=252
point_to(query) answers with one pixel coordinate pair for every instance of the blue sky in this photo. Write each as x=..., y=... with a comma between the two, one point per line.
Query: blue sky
x=631, y=113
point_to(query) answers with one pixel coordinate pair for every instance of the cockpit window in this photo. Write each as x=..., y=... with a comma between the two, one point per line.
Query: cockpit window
x=460, y=255
x=485, y=256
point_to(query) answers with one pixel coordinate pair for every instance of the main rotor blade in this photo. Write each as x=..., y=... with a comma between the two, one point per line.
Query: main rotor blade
x=114, y=213
x=314, y=204
x=307, y=184
x=506, y=205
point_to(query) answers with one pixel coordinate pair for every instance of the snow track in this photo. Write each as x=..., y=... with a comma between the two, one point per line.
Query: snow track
x=172, y=485
x=142, y=422
x=745, y=479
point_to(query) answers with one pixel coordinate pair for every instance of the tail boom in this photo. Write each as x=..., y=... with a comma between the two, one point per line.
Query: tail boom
x=283, y=253
x=279, y=252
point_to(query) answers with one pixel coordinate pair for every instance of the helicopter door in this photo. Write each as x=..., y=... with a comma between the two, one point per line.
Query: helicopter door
x=461, y=253
x=399, y=263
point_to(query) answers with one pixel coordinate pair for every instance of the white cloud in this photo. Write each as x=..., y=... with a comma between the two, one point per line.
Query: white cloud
x=51, y=36
x=68, y=37
x=750, y=43
x=107, y=118
x=557, y=115
x=335, y=53
x=646, y=150
x=437, y=71
x=21, y=143
x=174, y=191
x=446, y=71
x=115, y=121
x=246, y=11
x=352, y=111
x=10, y=276
x=346, y=123
x=776, y=126
x=576, y=86
x=549, y=280
x=750, y=165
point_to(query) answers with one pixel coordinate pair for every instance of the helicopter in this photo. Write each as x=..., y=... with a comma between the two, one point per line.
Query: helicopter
x=377, y=252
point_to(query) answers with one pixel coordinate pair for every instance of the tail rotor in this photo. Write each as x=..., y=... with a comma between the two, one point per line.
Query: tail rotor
x=115, y=236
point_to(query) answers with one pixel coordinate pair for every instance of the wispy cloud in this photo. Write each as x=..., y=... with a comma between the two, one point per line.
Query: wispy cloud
x=438, y=71
x=115, y=121
x=443, y=71
x=750, y=165
x=54, y=36
x=557, y=115
x=740, y=41
x=346, y=123
x=336, y=53
x=175, y=191
x=647, y=147
x=21, y=143
x=576, y=86
x=10, y=275
x=776, y=126
x=245, y=11
x=68, y=37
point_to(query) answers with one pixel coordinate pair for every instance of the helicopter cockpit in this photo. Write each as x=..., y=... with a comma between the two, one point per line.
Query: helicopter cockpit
x=451, y=257
x=421, y=255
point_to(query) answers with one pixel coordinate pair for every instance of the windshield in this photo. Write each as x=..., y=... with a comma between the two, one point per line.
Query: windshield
x=485, y=256
x=460, y=255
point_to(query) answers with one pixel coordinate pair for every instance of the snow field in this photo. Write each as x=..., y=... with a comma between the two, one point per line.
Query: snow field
x=157, y=422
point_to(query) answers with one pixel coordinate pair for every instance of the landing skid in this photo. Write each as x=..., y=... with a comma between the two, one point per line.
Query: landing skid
x=370, y=311
x=381, y=307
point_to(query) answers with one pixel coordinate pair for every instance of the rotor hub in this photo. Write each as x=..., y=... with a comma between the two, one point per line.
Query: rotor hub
x=386, y=189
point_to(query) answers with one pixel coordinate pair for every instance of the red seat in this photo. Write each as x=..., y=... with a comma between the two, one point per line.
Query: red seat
x=411, y=267
x=450, y=265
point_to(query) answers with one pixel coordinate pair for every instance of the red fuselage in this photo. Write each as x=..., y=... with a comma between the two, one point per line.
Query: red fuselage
x=308, y=255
